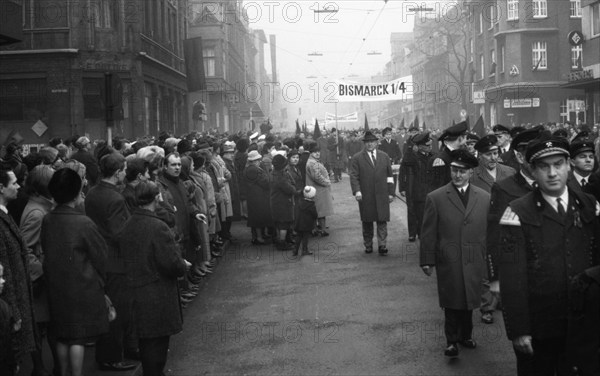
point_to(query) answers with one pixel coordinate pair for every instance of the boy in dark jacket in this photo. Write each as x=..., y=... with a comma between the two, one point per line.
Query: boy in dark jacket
x=305, y=220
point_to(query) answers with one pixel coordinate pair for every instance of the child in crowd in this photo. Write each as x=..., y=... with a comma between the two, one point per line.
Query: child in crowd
x=305, y=220
x=7, y=328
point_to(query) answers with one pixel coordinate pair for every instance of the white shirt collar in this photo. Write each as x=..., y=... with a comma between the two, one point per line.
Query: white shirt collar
x=579, y=177
x=552, y=200
x=463, y=188
x=4, y=209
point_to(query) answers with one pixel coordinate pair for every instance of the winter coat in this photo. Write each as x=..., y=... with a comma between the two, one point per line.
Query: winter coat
x=306, y=216
x=392, y=149
x=413, y=177
x=258, y=196
x=106, y=206
x=153, y=263
x=74, y=267
x=282, y=197
x=318, y=177
x=223, y=177
x=482, y=179
x=92, y=171
x=31, y=229
x=239, y=160
x=17, y=288
x=234, y=188
x=177, y=197
x=375, y=183
x=453, y=240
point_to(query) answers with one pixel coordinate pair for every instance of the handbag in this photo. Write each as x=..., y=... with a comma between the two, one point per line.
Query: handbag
x=112, y=312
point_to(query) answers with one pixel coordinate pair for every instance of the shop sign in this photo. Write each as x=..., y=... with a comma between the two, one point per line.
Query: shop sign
x=581, y=75
x=575, y=38
x=106, y=65
x=478, y=97
x=522, y=103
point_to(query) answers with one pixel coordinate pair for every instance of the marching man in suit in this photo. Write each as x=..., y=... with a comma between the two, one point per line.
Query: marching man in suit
x=372, y=185
x=489, y=170
x=453, y=241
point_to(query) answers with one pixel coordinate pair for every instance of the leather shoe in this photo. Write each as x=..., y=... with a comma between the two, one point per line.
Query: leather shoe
x=412, y=238
x=369, y=250
x=451, y=350
x=487, y=318
x=118, y=366
x=468, y=343
x=258, y=242
x=383, y=250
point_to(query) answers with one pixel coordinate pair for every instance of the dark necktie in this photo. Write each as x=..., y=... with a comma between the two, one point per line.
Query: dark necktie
x=583, y=182
x=560, y=208
x=373, y=157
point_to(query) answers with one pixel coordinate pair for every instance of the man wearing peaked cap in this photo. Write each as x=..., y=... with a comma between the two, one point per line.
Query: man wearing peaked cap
x=471, y=141
x=503, y=134
x=453, y=242
x=553, y=231
x=582, y=162
x=484, y=176
x=453, y=138
x=372, y=184
x=413, y=183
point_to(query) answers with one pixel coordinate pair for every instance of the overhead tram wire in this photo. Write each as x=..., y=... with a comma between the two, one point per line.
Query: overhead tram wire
x=367, y=36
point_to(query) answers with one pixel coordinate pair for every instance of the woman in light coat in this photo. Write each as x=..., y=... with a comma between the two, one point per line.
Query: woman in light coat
x=318, y=177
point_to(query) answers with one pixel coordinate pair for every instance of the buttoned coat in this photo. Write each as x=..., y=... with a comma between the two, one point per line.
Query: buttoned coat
x=282, y=196
x=392, y=149
x=453, y=240
x=318, y=177
x=438, y=169
x=481, y=177
x=153, y=263
x=374, y=183
x=540, y=253
x=74, y=268
x=17, y=288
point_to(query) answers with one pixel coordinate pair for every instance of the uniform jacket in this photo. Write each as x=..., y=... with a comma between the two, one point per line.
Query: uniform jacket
x=503, y=192
x=153, y=263
x=17, y=288
x=583, y=333
x=282, y=196
x=318, y=177
x=107, y=208
x=74, y=268
x=413, y=176
x=392, y=149
x=438, y=169
x=593, y=186
x=540, y=253
x=509, y=159
x=482, y=179
x=453, y=239
x=306, y=216
x=375, y=183
x=258, y=196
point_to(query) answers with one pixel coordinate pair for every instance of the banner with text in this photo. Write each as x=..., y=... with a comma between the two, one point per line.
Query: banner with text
x=331, y=118
x=399, y=89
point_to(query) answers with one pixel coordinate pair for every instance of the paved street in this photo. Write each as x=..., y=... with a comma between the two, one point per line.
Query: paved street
x=339, y=311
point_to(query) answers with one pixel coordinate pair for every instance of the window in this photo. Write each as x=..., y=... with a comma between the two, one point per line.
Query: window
x=512, y=9
x=208, y=55
x=575, y=8
x=539, y=57
x=103, y=13
x=501, y=70
x=576, y=56
x=595, y=19
x=492, y=62
x=471, y=49
x=23, y=99
x=480, y=23
x=564, y=112
x=492, y=13
x=540, y=9
x=481, y=67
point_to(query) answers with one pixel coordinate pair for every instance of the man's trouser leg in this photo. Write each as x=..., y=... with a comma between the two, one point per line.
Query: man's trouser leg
x=367, y=230
x=413, y=226
x=382, y=234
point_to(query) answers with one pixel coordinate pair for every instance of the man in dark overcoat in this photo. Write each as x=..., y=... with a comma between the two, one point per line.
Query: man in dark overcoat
x=337, y=148
x=372, y=185
x=548, y=237
x=17, y=288
x=413, y=182
x=438, y=167
x=106, y=206
x=258, y=194
x=453, y=241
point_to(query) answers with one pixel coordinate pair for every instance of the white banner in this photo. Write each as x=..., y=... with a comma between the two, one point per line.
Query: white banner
x=331, y=118
x=399, y=89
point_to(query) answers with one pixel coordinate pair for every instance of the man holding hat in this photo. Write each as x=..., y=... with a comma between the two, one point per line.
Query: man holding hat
x=453, y=241
x=582, y=163
x=413, y=183
x=372, y=185
x=549, y=236
x=438, y=168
